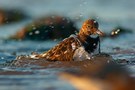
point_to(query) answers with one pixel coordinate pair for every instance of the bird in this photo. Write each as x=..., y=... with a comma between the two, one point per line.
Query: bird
x=77, y=46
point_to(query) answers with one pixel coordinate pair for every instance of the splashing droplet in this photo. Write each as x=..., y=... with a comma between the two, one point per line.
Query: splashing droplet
x=34, y=28
x=2, y=57
x=37, y=32
x=80, y=15
x=30, y=33
x=52, y=27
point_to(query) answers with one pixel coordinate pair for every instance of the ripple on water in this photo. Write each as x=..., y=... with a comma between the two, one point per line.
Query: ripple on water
x=37, y=79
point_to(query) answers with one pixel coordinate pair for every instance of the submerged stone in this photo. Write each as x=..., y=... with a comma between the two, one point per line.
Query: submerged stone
x=11, y=15
x=49, y=27
x=118, y=31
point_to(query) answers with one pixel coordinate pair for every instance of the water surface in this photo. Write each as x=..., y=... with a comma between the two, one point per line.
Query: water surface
x=109, y=15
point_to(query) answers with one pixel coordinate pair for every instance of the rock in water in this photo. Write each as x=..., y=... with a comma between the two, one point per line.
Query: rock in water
x=50, y=27
x=11, y=15
x=118, y=31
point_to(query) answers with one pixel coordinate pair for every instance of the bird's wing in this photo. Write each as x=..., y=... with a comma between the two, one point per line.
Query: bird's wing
x=63, y=51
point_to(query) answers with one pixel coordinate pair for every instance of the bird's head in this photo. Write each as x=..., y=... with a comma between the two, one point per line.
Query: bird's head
x=90, y=27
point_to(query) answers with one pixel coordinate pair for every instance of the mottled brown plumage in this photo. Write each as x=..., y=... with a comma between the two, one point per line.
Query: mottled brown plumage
x=65, y=50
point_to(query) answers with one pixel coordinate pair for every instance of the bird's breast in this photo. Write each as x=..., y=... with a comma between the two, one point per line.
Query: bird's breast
x=91, y=43
x=94, y=36
x=81, y=54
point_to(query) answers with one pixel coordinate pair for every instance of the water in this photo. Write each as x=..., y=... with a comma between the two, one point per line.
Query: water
x=109, y=15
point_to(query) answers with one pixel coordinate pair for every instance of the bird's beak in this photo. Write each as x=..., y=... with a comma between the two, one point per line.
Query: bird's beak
x=100, y=33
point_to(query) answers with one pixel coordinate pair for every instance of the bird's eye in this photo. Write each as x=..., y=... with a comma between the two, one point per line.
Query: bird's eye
x=88, y=26
x=91, y=27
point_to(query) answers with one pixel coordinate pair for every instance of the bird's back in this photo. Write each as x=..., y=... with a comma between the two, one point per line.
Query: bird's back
x=64, y=51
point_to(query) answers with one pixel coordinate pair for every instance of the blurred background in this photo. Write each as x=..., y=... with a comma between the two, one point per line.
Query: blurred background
x=22, y=20
x=112, y=12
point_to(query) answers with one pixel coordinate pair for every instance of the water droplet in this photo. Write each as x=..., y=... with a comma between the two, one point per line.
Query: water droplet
x=30, y=33
x=94, y=44
x=80, y=15
x=95, y=21
x=52, y=27
x=118, y=30
x=37, y=32
x=2, y=57
x=34, y=28
x=33, y=25
x=54, y=39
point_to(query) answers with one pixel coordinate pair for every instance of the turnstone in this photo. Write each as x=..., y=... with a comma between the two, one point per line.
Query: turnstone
x=76, y=47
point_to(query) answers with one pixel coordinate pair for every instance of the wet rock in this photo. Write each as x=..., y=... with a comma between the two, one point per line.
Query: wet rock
x=50, y=27
x=27, y=61
x=119, y=31
x=100, y=76
x=11, y=15
x=123, y=61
